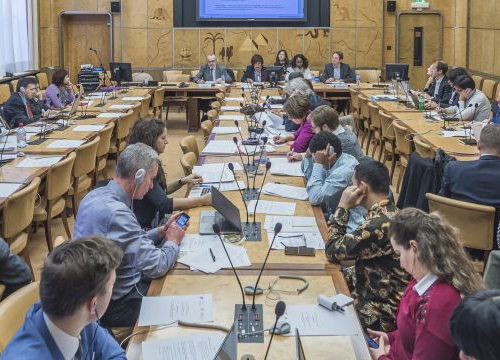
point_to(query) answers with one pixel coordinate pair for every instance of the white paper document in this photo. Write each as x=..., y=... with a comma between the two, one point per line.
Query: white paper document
x=110, y=115
x=238, y=99
x=98, y=95
x=41, y=161
x=459, y=133
x=275, y=97
x=287, y=191
x=211, y=176
x=311, y=240
x=193, y=347
x=230, y=108
x=281, y=166
x=121, y=106
x=132, y=98
x=292, y=224
x=7, y=189
x=218, y=166
x=315, y=320
x=163, y=310
x=8, y=143
x=66, y=144
x=194, y=242
x=231, y=117
x=8, y=156
x=220, y=147
x=251, y=149
x=224, y=130
x=276, y=106
x=197, y=191
x=272, y=207
x=89, y=127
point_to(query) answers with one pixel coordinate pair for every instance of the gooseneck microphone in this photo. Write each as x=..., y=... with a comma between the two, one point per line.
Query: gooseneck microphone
x=277, y=230
x=216, y=229
x=231, y=167
x=268, y=166
x=235, y=140
x=279, y=310
x=264, y=141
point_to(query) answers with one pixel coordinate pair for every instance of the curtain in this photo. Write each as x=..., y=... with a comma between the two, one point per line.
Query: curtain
x=16, y=36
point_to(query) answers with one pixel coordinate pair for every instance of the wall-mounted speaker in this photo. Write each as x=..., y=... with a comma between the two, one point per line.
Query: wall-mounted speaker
x=115, y=7
x=391, y=5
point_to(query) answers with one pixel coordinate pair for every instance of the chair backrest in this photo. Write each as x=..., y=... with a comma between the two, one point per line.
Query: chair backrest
x=85, y=158
x=489, y=88
x=369, y=75
x=422, y=148
x=363, y=106
x=187, y=161
x=475, y=223
x=43, y=80
x=403, y=144
x=216, y=105
x=166, y=73
x=315, y=73
x=374, y=115
x=354, y=99
x=236, y=72
x=212, y=115
x=144, y=112
x=194, y=72
x=478, y=81
x=4, y=93
x=178, y=78
x=105, y=140
x=386, y=126
x=13, y=311
x=158, y=97
x=188, y=144
x=18, y=210
x=13, y=83
x=220, y=96
x=58, y=178
x=123, y=125
x=207, y=127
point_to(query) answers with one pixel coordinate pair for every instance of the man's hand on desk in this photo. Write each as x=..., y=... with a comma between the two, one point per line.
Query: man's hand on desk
x=206, y=199
x=430, y=105
x=201, y=81
x=329, y=80
x=192, y=179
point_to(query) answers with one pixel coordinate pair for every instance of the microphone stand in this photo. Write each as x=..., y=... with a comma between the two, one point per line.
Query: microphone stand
x=247, y=167
x=103, y=68
x=468, y=140
x=279, y=310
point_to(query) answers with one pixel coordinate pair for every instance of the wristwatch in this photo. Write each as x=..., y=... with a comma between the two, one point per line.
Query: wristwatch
x=181, y=182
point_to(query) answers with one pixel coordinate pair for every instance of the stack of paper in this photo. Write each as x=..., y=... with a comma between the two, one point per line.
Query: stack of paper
x=121, y=106
x=231, y=117
x=88, y=127
x=194, y=242
x=230, y=108
x=194, y=347
x=272, y=207
x=276, y=106
x=41, y=161
x=311, y=240
x=8, y=143
x=292, y=224
x=65, y=144
x=110, y=115
x=251, y=149
x=7, y=189
x=197, y=191
x=287, y=191
x=132, y=98
x=217, y=172
x=220, y=147
x=281, y=166
x=238, y=99
x=224, y=130
x=459, y=133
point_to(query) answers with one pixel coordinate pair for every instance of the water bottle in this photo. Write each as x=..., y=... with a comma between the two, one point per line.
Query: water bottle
x=21, y=136
x=358, y=79
x=421, y=103
x=263, y=158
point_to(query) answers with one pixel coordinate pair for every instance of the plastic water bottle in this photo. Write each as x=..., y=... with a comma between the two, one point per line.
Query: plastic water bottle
x=21, y=136
x=421, y=103
x=358, y=79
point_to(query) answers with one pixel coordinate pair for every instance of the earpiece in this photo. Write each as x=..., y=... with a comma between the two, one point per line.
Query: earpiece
x=21, y=89
x=140, y=175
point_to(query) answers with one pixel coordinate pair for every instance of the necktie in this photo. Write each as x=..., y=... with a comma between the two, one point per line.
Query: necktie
x=28, y=109
x=257, y=76
x=213, y=75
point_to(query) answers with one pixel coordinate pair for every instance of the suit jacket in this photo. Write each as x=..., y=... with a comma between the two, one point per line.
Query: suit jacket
x=452, y=102
x=250, y=74
x=34, y=341
x=444, y=92
x=206, y=74
x=14, y=111
x=36, y=108
x=346, y=73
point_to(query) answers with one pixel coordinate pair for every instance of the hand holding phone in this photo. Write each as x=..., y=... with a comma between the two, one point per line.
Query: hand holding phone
x=182, y=220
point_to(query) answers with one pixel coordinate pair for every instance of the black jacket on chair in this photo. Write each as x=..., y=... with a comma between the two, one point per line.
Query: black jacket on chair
x=346, y=73
x=250, y=74
x=444, y=93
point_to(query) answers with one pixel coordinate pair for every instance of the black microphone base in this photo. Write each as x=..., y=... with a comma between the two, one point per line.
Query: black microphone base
x=467, y=141
x=249, y=321
x=251, y=168
x=113, y=98
x=250, y=194
x=61, y=128
x=37, y=142
x=251, y=231
x=87, y=116
x=101, y=105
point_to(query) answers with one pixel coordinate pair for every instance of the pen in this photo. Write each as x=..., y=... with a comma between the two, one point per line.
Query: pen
x=336, y=307
x=212, y=254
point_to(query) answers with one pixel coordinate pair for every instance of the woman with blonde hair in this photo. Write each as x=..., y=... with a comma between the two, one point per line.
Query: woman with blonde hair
x=429, y=250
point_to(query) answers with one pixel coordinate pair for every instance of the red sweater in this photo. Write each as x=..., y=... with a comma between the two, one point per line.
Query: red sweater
x=423, y=324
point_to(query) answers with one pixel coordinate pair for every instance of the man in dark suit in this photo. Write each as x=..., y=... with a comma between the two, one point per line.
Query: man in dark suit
x=38, y=106
x=451, y=75
x=439, y=90
x=256, y=72
x=337, y=70
x=17, y=108
x=212, y=71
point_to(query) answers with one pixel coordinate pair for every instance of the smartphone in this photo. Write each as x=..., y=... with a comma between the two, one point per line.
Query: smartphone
x=371, y=343
x=182, y=220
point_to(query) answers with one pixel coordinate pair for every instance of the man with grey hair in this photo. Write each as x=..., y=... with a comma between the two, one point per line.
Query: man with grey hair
x=108, y=211
x=212, y=71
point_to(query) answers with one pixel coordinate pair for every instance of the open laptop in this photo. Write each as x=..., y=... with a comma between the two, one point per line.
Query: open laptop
x=226, y=214
x=300, y=355
x=228, y=349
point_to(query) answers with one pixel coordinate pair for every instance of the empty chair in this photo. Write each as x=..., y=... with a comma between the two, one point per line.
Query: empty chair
x=478, y=80
x=488, y=89
x=187, y=161
x=207, y=127
x=215, y=105
x=375, y=129
x=120, y=136
x=167, y=73
x=388, y=140
x=404, y=148
x=43, y=80
x=103, y=151
x=212, y=115
x=355, y=110
x=144, y=112
x=189, y=144
x=4, y=93
x=13, y=83
x=220, y=96
x=369, y=75
x=365, y=120
x=422, y=148
x=178, y=78
x=158, y=102
x=315, y=73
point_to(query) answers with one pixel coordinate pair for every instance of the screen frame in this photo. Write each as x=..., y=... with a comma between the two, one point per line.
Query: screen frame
x=298, y=20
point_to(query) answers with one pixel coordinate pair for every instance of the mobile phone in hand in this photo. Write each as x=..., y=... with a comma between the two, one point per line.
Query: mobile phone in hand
x=182, y=220
x=371, y=343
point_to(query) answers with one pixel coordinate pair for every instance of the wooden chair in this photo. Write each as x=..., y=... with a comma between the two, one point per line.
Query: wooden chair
x=120, y=136
x=375, y=129
x=59, y=240
x=144, y=112
x=189, y=144
x=355, y=110
x=4, y=93
x=422, y=148
x=178, y=78
x=13, y=83
x=478, y=81
x=207, y=127
x=404, y=148
x=488, y=89
x=13, y=311
x=187, y=161
x=315, y=73
x=103, y=151
x=194, y=72
x=2, y=290
x=84, y=170
x=53, y=201
x=388, y=140
x=212, y=115
x=216, y=105
x=166, y=74
x=369, y=75
x=17, y=216
x=220, y=96
x=43, y=80
x=158, y=98
x=475, y=223
x=136, y=111
x=365, y=120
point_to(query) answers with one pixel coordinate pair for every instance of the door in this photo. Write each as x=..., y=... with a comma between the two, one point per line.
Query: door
x=419, y=38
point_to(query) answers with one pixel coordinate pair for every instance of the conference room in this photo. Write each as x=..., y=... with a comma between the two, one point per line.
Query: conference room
x=249, y=179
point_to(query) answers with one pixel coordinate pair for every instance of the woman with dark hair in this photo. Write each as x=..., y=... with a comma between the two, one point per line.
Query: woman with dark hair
x=59, y=94
x=255, y=71
x=151, y=209
x=301, y=64
x=282, y=59
x=430, y=252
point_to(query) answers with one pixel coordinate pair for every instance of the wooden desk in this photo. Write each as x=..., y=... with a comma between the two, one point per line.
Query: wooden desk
x=9, y=173
x=226, y=293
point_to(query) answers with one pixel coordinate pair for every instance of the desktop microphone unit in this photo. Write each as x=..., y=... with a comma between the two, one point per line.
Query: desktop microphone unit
x=279, y=310
x=248, y=167
x=468, y=140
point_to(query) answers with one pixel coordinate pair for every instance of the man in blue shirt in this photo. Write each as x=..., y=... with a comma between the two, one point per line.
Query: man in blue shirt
x=75, y=288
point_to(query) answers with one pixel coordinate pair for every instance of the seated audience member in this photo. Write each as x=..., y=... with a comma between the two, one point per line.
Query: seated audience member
x=473, y=105
x=282, y=59
x=38, y=106
x=439, y=90
x=324, y=118
x=378, y=281
x=297, y=109
x=301, y=64
x=106, y=211
x=430, y=252
x=75, y=287
x=59, y=93
x=337, y=70
x=452, y=76
x=153, y=207
x=256, y=71
x=328, y=171
x=305, y=87
x=212, y=71
x=17, y=109
x=14, y=273
x=474, y=326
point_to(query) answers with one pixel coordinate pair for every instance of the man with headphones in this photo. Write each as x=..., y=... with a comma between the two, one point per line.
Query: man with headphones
x=75, y=288
x=17, y=108
x=108, y=211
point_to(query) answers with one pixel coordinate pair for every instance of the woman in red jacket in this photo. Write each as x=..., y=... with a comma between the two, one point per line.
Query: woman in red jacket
x=429, y=250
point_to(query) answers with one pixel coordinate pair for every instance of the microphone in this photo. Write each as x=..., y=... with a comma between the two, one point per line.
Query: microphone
x=216, y=229
x=231, y=167
x=268, y=166
x=277, y=230
x=247, y=167
x=460, y=113
x=279, y=310
x=468, y=140
x=263, y=150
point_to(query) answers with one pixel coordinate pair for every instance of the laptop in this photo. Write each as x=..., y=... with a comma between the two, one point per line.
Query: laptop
x=228, y=349
x=300, y=355
x=226, y=214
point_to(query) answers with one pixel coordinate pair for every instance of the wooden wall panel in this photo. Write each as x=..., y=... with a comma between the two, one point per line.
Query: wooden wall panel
x=46, y=45
x=242, y=45
x=160, y=48
x=213, y=41
x=186, y=48
x=292, y=40
x=160, y=14
x=134, y=14
x=369, y=47
x=344, y=39
x=370, y=13
x=134, y=46
x=267, y=40
x=343, y=13
x=317, y=47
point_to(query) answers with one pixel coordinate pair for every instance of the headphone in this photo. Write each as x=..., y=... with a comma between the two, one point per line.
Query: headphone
x=140, y=175
x=250, y=289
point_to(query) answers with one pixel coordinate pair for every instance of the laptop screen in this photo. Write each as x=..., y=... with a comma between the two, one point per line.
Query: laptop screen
x=226, y=208
x=228, y=350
